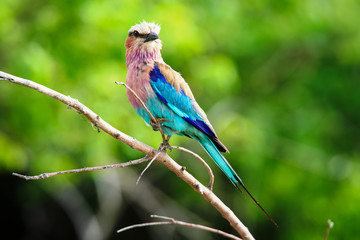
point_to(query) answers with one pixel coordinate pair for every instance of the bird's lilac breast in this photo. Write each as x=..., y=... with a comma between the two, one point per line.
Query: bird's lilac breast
x=139, y=81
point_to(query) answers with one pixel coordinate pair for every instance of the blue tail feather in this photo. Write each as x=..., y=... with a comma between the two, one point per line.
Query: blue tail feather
x=220, y=161
x=223, y=164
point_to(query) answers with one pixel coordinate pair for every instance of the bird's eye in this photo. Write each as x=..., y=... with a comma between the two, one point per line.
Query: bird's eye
x=134, y=33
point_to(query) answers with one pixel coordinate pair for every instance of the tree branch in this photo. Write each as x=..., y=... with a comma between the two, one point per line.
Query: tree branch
x=172, y=221
x=152, y=160
x=86, y=169
x=211, y=182
x=163, y=158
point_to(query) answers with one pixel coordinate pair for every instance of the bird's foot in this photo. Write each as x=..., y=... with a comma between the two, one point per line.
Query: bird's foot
x=157, y=123
x=165, y=144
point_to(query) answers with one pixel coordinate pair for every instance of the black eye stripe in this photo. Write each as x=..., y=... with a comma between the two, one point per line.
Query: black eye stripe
x=134, y=33
x=137, y=34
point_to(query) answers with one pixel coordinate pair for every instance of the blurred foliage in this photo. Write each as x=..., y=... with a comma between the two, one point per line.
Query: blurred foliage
x=278, y=79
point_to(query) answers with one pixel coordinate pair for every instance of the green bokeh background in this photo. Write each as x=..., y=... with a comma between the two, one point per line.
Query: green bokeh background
x=278, y=79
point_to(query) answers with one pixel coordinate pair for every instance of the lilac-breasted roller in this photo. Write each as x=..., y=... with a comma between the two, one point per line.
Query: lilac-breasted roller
x=168, y=97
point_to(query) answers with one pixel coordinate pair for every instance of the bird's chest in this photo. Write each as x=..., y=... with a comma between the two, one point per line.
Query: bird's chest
x=138, y=79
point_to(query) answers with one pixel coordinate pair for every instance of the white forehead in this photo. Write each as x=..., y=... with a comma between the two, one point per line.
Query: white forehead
x=146, y=28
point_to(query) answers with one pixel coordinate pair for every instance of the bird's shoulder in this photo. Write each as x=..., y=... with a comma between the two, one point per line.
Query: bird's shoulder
x=174, y=78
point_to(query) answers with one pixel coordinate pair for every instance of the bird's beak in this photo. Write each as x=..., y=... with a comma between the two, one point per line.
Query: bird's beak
x=150, y=37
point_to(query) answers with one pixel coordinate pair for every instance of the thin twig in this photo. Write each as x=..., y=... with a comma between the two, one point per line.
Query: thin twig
x=145, y=107
x=163, y=158
x=172, y=221
x=329, y=226
x=86, y=169
x=211, y=182
x=153, y=159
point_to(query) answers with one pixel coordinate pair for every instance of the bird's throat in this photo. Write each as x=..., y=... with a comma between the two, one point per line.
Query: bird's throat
x=141, y=55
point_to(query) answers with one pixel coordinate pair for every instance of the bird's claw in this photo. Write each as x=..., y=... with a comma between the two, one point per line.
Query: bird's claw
x=156, y=123
x=165, y=144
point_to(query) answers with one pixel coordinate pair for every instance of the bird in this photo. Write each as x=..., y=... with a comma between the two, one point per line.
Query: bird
x=169, y=98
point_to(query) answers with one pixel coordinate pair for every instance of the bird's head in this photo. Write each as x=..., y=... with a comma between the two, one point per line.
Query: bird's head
x=144, y=37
